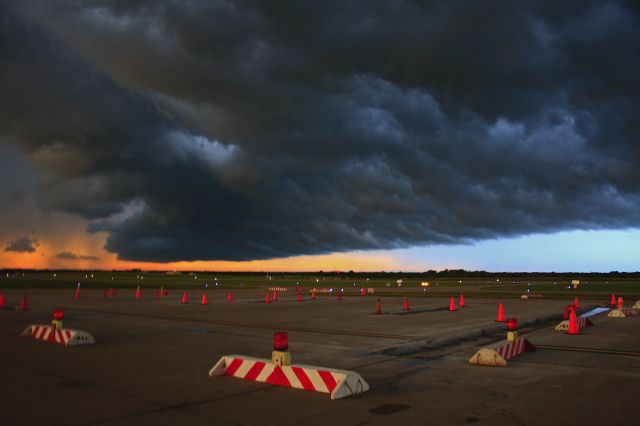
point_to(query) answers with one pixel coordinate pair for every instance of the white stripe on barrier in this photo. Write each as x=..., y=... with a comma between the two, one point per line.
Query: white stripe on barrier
x=265, y=373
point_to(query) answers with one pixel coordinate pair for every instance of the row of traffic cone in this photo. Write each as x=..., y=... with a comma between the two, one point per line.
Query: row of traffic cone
x=619, y=304
x=452, y=303
x=274, y=298
x=23, y=306
x=110, y=293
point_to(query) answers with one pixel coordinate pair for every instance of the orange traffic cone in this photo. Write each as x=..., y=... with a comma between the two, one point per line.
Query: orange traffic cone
x=2, y=304
x=184, y=298
x=138, y=293
x=461, y=303
x=405, y=306
x=378, y=309
x=576, y=302
x=613, y=299
x=77, y=293
x=104, y=293
x=339, y=295
x=275, y=296
x=300, y=297
x=620, y=303
x=24, y=304
x=573, y=323
x=362, y=291
x=313, y=295
x=204, y=298
x=229, y=297
x=157, y=293
x=266, y=298
x=111, y=292
x=452, y=305
x=500, y=317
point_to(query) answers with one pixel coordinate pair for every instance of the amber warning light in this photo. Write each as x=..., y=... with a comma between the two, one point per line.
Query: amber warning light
x=512, y=324
x=57, y=314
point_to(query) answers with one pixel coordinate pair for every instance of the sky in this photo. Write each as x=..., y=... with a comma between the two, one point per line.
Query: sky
x=352, y=135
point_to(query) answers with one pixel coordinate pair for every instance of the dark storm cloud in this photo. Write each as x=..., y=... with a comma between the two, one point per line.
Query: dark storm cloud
x=23, y=245
x=249, y=130
x=67, y=255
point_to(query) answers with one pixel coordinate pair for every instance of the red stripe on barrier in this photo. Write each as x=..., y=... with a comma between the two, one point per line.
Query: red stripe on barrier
x=304, y=379
x=278, y=378
x=231, y=369
x=254, y=370
x=328, y=380
x=34, y=330
x=68, y=333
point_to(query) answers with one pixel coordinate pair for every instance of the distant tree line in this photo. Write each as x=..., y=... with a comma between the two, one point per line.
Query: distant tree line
x=430, y=274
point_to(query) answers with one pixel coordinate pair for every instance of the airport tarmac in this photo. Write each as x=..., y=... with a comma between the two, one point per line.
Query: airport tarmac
x=151, y=359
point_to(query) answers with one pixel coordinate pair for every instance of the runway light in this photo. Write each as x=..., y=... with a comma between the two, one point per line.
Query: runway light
x=512, y=324
x=280, y=341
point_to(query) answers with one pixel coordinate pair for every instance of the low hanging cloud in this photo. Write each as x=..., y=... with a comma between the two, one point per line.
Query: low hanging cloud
x=23, y=244
x=244, y=130
x=67, y=255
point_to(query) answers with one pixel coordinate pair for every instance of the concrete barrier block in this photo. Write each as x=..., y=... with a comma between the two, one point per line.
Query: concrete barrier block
x=499, y=353
x=621, y=313
x=337, y=383
x=64, y=336
x=582, y=323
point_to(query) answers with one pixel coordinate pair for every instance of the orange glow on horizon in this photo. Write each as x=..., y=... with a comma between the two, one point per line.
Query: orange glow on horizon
x=45, y=257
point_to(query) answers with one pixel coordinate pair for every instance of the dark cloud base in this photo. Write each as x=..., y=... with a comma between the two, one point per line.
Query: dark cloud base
x=23, y=244
x=254, y=130
x=66, y=255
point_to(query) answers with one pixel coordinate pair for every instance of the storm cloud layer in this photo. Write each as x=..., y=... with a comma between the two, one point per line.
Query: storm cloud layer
x=253, y=130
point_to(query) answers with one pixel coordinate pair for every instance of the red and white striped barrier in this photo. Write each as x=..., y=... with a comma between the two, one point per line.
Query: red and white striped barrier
x=337, y=383
x=65, y=336
x=621, y=313
x=498, y=353
x=582, y=323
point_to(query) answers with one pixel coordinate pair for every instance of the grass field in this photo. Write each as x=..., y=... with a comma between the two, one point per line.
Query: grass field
x=477, y=286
